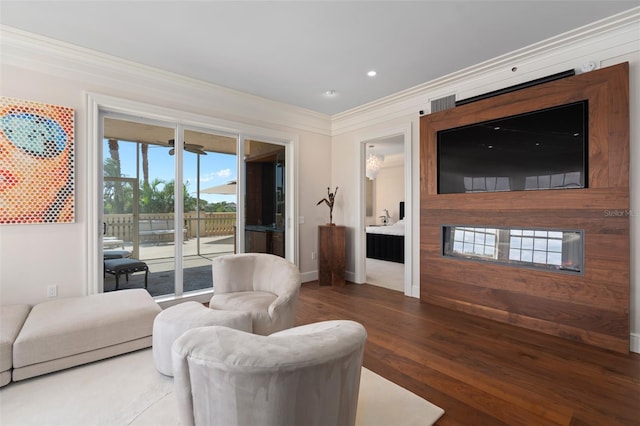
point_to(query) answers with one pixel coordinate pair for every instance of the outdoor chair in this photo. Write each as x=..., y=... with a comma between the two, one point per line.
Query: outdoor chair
x=125, y=266
x=115, y=254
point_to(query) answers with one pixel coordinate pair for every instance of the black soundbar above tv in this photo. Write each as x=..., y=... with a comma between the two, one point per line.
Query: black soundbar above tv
x=535, y=82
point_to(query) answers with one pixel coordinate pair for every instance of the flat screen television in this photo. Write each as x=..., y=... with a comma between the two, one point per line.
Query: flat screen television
x=539, y=150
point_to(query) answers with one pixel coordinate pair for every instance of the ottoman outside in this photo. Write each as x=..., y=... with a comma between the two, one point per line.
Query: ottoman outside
x=175, y=320
x=125, y=266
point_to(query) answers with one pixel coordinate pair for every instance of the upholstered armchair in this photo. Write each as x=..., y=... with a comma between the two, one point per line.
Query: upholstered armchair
x=263, y=284
x=307, y=375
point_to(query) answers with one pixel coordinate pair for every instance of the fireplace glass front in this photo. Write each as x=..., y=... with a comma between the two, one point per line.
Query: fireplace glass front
x=547, y=249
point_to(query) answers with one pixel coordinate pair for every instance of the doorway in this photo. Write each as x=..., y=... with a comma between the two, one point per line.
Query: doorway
x=403, y=133
x=384, y=183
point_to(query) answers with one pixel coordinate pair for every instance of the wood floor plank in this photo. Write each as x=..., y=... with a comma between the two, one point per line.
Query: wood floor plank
x=482, y=372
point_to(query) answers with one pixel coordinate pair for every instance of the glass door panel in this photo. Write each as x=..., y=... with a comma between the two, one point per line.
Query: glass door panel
x=265, y=195
x=140, y=155
x=210, y=204
x=119, y=207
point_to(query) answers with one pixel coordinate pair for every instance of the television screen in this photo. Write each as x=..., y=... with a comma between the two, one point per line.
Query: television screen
x=544, y=149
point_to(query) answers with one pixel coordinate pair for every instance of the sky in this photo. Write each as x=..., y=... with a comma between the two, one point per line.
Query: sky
x=215, y=169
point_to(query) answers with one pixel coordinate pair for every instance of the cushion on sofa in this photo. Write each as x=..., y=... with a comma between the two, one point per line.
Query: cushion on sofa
x=74, y=325
x=12, y=318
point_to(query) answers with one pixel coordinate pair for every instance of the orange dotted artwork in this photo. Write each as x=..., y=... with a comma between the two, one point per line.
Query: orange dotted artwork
x=36, y=162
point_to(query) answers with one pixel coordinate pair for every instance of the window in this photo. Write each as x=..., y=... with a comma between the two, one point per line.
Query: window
x=542, y=247
x=475, y=241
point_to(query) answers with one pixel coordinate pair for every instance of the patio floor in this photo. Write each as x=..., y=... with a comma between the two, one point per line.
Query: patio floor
x=161, y=261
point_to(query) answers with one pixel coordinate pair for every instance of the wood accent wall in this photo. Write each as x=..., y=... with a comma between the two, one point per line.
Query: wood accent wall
x=592, y=308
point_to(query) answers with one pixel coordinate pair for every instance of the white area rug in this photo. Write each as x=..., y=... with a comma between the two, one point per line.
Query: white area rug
x=127, y=390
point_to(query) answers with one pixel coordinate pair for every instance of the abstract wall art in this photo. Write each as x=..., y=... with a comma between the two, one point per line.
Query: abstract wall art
x=37, y=180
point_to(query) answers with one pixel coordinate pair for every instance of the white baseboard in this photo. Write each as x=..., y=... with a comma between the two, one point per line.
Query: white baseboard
x=634, y=345
x=308, y=276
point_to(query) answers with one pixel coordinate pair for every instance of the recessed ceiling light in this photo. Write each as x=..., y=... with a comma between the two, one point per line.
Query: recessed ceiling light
x=330, y=93
x=372, y=73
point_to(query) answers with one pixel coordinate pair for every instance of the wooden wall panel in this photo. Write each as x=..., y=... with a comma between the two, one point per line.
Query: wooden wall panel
x=593, y=307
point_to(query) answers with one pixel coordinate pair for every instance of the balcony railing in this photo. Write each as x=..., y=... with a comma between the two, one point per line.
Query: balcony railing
x=120, y=226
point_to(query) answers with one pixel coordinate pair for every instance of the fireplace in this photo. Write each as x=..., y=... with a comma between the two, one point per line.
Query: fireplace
x=546, y=249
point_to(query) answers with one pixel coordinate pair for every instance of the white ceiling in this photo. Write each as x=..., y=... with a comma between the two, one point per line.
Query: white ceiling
x=295, y=51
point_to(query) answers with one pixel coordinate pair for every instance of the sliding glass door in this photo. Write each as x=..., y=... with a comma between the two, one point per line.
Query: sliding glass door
x=176, y=195
x=140, y=216
x=210, y=204
x=139, y=213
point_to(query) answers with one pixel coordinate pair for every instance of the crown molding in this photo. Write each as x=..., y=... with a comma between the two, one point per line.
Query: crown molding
x=559, y=53
x=620, y=34
x=99, y=71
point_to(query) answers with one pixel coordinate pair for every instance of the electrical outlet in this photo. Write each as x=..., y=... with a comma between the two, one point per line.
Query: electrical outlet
x=314, y=255
x=52, y=291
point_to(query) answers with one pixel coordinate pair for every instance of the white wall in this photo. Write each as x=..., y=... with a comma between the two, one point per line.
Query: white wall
x=607, y=43
x=34, y=256
x=315, y=178
x=390, y=189
x=33, y=68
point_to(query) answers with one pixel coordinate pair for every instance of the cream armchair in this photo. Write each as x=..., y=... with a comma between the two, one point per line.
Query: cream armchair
x=307, y=375
x=263, y=284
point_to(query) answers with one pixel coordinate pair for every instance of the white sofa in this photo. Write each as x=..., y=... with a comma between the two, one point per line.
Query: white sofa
x=66, y=332
x=12, y=317
x=307, y=375
x=265, y=285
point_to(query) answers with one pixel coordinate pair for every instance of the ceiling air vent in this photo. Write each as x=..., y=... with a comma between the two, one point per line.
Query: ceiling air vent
x=443, y=103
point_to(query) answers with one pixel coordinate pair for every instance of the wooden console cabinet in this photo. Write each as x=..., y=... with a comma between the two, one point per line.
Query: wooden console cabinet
x=331, y=255
x=263, y=239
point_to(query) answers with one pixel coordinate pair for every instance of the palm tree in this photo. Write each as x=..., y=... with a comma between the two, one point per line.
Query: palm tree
x=151, y=199
x=118, y=196
x=144, y=148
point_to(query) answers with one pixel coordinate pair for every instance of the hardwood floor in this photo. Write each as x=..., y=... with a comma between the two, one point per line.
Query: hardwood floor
x=479, y=371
